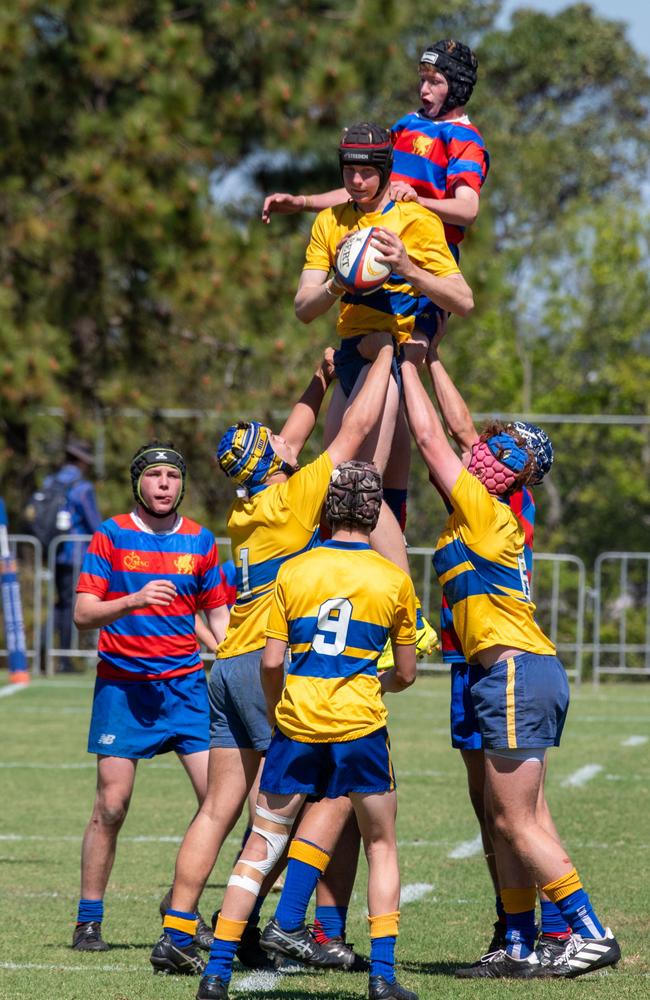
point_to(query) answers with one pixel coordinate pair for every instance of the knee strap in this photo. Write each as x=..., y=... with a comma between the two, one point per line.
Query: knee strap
x=275, y=830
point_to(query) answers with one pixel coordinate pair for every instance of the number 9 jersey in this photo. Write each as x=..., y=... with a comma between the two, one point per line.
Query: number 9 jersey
x=336, y=607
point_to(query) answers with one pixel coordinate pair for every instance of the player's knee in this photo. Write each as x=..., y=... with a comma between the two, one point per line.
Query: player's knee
x=263, y=850
x=111, y=812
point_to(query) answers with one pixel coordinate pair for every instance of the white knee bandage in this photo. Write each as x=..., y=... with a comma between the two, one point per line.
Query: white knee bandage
x=276, y=841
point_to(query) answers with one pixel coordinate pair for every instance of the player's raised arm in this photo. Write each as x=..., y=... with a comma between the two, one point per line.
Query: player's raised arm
x=443, y=463
x=454, y=409
x=364, y=412
x=290, y=204
x=302, y=419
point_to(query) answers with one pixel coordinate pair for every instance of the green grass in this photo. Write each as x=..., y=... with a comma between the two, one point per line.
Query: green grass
x=44, y=805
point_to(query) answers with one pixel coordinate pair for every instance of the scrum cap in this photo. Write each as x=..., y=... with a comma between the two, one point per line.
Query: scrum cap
x=245, y=454
x=458, y=65
x=498, y=462
x=367, y=145
x=540, y=444
x=354, y=496
x=156, y=453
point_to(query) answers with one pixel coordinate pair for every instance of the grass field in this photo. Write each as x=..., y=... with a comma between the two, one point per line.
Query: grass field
x=598, y=789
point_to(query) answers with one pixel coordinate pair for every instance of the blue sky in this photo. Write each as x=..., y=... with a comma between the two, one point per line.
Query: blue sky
x=635, y=13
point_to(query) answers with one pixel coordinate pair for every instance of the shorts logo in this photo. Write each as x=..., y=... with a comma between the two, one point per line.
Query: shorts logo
x=422, y=145
x=106, y=739
x=133, y=561
x=184, y=564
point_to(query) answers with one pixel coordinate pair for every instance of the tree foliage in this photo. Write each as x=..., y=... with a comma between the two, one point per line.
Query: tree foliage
x=132, y=283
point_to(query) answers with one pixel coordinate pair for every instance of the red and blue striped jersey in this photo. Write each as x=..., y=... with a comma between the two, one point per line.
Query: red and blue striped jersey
x=435, y=156
x=522, y=505
x=155, y=642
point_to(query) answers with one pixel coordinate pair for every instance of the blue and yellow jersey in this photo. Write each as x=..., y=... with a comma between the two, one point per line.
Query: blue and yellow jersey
x=336, y=607
x=397, y=306
x=480, y=560
x=265, y=530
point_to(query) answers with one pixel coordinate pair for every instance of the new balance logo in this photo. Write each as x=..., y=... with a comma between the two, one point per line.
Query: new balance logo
x=106, y=739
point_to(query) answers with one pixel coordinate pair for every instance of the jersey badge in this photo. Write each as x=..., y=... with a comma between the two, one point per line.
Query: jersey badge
x=133, y=561
x=422, y=145
x=184, y=564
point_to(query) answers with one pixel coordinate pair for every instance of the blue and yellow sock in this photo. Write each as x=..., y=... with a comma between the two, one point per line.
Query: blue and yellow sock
x=383, y=936
x=573, y=903
x=307, y=862
x=329, y=922
x=227, y=935
x=90, y=909
x=553, y=923
x=521, y=930
x=180, y=926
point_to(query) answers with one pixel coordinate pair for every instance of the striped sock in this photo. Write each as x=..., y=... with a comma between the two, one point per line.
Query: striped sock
x=90, y=909
x=573, y=903
x=384, y=929
x=227, y=935
x=307, y=862
x=521, y=930
x=180, y=926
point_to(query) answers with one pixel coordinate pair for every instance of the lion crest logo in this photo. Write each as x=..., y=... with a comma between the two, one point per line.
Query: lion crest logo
x=422, y=145
x=184, y=564
x=133, y=561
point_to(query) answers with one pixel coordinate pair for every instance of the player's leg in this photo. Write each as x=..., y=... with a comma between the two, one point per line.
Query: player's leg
x=115, y=778
x=196, y=768
x=333, y=893
x=398, y=466
x=274, y=818
x=65, y=583
x=376, y=815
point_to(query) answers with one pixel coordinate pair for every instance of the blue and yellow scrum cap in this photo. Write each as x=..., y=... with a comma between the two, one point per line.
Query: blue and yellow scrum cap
x=245, y=454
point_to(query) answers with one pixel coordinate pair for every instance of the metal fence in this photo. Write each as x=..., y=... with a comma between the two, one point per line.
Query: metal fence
x=618, y=607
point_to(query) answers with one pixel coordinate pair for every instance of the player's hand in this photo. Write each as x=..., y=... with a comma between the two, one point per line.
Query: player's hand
x=327, y=365
x=401, y=191
x=393, y=252
x=282, y=204
x=343, y=240
x=158, y=593
x=372, y=344
x=441, y=331
x=414, y=351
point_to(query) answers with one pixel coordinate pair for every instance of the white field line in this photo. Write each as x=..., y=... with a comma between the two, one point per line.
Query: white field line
x=91, y=967
x=265, y=980
x=634, y=741
x=411, y=893
x=582, y=776
x=421, y=774
x=9, y=689
x=468, y=848
x=66, y=838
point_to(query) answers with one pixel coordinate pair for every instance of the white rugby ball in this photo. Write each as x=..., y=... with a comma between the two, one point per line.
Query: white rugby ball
x=357, y=267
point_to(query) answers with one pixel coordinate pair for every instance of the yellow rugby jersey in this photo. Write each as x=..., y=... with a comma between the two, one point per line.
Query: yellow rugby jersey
x=396, y=306
x=336, y=606
x=481, y=567
x=265, y=530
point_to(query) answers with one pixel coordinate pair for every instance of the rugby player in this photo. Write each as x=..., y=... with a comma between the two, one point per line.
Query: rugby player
x=334, y=607
x=143, y=580
x=522, y=700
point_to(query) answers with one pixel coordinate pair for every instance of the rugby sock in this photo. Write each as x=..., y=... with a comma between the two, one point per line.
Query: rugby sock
x=396, y=500
x=573, y=903
x=329, y=922
x=227, y=935
x=307, y=862
x=553, y=923
x=254, y=918
x=521, y=931
x=383, y=935
x=180, y=926
x=501, y=913
x=90, y=909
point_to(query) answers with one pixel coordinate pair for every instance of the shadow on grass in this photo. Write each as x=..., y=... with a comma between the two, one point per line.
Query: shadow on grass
x=432, y=968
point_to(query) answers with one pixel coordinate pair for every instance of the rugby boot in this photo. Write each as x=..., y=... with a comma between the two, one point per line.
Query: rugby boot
x=299, y=945
x=348, y=960
x=499, y=965
x=498, y=942
x=550, y=947
x=581, y=955
x=379, y=989
x=168, y=958
x=212, y=988
x=88, y=937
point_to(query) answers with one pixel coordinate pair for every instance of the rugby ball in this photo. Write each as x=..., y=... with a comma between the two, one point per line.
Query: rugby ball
x=357, y=267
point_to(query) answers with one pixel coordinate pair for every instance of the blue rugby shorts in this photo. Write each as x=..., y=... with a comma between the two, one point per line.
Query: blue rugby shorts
x=522, y=702
x=328, y=770
x=140, y=719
